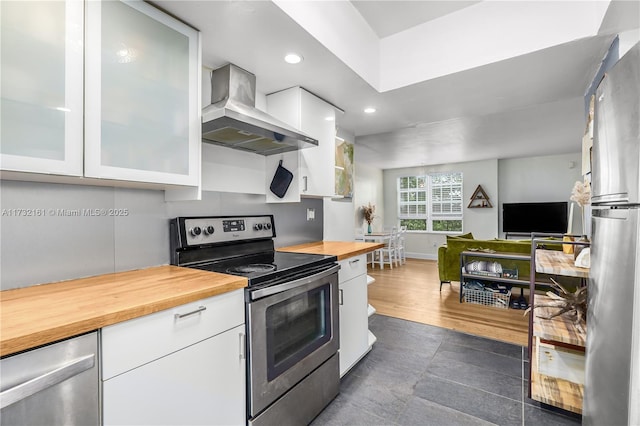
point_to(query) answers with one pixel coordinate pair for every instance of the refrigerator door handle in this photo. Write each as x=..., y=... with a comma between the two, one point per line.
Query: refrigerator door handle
x=609, y=213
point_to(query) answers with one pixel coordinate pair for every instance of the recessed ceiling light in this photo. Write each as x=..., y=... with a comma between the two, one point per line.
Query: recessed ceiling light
x=369, y=110
x=293, y=58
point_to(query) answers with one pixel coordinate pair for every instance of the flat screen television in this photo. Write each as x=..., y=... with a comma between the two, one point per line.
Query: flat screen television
x=535, y=217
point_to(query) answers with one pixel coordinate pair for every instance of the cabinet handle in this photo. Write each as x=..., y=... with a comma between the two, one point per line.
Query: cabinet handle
x=304, y=181
x=354, y=261
x=243, y=346
x=197, y=311
x=340, y=297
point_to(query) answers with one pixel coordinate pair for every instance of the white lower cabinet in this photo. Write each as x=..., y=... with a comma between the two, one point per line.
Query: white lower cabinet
x=354, y=328
x=198, y=378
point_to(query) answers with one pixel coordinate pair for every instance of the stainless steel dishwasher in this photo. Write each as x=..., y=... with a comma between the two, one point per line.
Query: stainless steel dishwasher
x=56, y=384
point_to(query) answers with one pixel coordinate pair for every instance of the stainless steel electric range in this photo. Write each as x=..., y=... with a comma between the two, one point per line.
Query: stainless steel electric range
x=291, y=312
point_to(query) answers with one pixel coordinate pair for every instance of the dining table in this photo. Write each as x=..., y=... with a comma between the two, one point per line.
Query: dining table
x=377, y=237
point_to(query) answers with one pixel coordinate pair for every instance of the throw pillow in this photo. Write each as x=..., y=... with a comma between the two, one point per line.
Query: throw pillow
x=468, y=236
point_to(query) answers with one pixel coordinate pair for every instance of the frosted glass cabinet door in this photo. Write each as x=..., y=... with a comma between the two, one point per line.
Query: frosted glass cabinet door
x=41, y=86
x=142, y=106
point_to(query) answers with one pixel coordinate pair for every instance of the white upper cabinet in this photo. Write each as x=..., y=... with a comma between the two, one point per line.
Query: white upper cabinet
x=41, y=86
x=142, y=105
x=315, y=117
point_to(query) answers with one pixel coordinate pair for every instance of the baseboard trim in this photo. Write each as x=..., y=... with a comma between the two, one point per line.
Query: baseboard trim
x=423, y=256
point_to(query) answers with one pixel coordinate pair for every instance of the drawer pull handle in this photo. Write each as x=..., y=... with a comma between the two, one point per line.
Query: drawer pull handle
x=354, y=261
x=243, y=346
x=197, y=311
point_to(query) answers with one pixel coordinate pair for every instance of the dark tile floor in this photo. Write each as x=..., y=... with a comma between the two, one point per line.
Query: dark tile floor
x=418, y=374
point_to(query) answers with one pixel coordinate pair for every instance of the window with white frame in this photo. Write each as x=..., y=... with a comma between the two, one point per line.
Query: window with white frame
x=431, y=203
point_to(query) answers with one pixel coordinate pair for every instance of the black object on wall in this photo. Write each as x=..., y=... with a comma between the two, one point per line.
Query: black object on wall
x=281, y=181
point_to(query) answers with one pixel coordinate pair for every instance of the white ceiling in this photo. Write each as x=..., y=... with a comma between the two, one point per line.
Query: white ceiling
x=391, y=17
x=529, y=104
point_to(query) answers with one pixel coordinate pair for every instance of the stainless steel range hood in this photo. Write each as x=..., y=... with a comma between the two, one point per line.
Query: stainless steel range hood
x=233, y=121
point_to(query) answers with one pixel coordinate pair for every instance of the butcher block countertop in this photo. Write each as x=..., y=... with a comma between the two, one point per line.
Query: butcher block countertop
x=41, y=314
x=342, y=249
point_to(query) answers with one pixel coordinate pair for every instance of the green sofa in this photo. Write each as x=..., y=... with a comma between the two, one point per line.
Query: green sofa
x=449, y=255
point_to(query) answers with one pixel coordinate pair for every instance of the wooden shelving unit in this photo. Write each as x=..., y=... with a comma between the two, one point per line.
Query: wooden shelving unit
x=479, y=199
x=556, y=342
x=496, y=256
x=561, y=332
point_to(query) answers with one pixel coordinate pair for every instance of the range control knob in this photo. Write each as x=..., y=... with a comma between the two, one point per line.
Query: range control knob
x=257, y=227
x=209, y=230
x=195, y=231
x=267, y=225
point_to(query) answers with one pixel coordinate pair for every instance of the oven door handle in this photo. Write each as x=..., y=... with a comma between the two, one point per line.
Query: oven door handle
x=268, y=291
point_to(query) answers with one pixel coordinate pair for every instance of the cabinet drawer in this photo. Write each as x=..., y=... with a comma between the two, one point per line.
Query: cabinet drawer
x=561, y=362
x=352, y=267
x=135, y=342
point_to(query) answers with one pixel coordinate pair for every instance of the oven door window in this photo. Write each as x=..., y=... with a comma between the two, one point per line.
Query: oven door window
x=296, y=327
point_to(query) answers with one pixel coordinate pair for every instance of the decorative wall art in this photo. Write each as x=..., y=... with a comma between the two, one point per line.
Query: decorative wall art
x=344, y=168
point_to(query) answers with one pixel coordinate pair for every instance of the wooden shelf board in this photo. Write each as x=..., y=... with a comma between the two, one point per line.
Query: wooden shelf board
x=553, y=391
x=556, y=262
x=558, y=329
x=524, y=283
x=502, y=255
x=497, y=255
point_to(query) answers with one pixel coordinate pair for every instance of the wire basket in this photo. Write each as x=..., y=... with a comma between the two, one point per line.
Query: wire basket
x=487, y=298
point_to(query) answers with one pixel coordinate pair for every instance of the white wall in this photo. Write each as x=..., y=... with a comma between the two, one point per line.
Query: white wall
x=482, y=222
x=539, y=179
x=368, y=189
x=338, y=225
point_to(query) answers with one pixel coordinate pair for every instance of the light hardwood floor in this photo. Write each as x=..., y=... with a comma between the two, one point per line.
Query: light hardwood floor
x=412, y=292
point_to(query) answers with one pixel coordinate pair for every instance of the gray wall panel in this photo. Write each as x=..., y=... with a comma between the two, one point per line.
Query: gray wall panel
x=56, y=245
x=142, y=234
x=292, y=226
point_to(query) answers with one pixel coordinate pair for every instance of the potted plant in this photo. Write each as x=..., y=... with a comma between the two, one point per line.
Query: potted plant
x=368, y=212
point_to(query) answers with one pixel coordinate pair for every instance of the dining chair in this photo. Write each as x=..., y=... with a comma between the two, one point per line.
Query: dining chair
x=401, y=254
x=387, y=254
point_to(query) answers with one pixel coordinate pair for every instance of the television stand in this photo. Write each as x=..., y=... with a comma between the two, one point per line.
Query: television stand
x=517, y=234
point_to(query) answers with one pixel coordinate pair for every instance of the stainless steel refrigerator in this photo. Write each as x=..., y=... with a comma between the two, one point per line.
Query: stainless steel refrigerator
x=612, y=375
